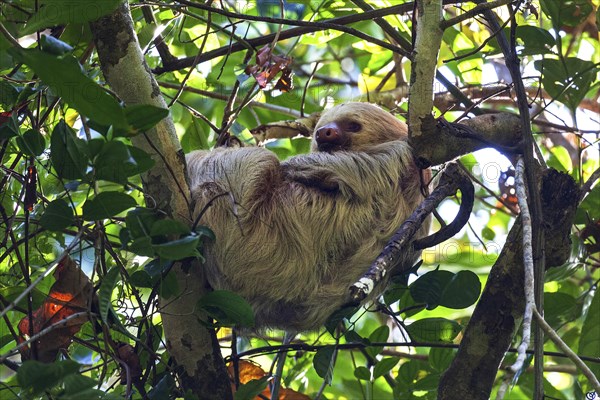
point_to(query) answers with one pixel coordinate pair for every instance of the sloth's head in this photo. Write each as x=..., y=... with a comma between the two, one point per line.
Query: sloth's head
x=356, y=127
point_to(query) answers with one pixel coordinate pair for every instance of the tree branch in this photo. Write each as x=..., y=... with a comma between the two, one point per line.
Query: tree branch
x=474, y=368
x=452, y=179
x=306, y=27
x=193, y=347
x=537, y=241
x=427, y=46
x=567, y=350
x=528, y=281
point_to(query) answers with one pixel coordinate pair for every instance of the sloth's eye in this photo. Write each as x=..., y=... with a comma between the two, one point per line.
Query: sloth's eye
x=353, y=126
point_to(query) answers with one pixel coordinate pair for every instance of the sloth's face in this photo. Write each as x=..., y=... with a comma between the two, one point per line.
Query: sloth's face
x=356, y=127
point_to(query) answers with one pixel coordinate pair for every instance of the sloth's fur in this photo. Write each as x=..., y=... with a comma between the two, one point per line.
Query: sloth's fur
x=292, y=236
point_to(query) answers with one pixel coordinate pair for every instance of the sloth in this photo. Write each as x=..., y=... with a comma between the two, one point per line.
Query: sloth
x=292, y=236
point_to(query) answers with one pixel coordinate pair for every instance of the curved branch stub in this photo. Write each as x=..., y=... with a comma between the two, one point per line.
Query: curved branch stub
x=461, y=182
x=451, y=180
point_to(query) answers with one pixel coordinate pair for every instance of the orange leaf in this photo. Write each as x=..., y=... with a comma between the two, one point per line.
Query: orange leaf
x=70, y=294
x=249, y=371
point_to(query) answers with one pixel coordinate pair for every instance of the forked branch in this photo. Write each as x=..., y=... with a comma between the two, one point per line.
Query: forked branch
x=452, y=180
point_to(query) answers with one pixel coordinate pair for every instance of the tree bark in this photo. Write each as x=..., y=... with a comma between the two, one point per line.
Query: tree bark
x=192, y=346
x=500, y=308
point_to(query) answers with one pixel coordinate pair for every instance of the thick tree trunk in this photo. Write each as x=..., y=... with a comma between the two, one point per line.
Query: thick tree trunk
x=194, y=348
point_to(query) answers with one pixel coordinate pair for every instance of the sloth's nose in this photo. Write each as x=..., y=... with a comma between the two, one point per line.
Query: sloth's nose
x=329, y=133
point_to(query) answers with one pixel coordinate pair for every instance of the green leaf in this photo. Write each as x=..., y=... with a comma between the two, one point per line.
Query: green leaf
x=338, y=316
x=560, y=308
x=157, y=266
x=95, y=146
x=228, y=308
x=488, y=233
x=379, y=335
x=78, y=385
x=140, y=220
x=461, y=291
x=394, y=293
x=560, y=159
x=384, y=366
x=408, y=373
x=434, y=330
x=251, y=389
x=168, y=227
x=142, y=246
x=141, y=279
x=444, y=288
x=146, y=33
x=6, y=339
x=195, y=137
x=428, y=383
x=36, y=377
x=68, y=153
x=566, y=12
x=11, y=293
x=65, y=76
x=4, y=45
x=10, y=127
x=407, y=304
x=428, y=288
x=178, y=249
x=109, y=281
x=112, y=162
x=8, y=95
x=163, y=389
x=107, y=204
x=440, y=358
x=57, y=216
x=589, y=342
x=117, y=161
x=32, y=143
x=324, y=361
x=362, y=373
x=143, y=161
x=567, y=80
x=353, y=337
x=62, y=12
x=535, y=40
x=144, y=116
x=526, y=386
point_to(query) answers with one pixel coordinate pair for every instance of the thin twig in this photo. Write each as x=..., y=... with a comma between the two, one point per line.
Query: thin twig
x=9, y=37
x=63, y=322
x=587, y=186
x=198, y=54
x=302, y=27
x=528, y=283
x=565, y=348
x=478, y=9
x=219, y=96
x=533, y=177
x=281, y=356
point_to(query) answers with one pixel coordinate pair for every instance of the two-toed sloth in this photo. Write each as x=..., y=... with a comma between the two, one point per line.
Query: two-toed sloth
x=292, y=236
